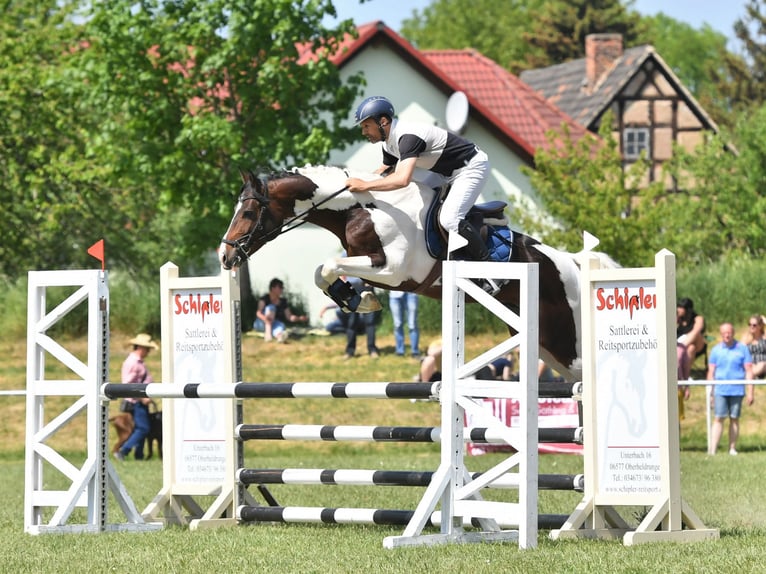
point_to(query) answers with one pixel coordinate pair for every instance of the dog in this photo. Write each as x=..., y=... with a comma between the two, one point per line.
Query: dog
x=123, y=425
x=155, y=434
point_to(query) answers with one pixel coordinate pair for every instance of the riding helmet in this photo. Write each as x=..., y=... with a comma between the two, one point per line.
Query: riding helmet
x=374, y=107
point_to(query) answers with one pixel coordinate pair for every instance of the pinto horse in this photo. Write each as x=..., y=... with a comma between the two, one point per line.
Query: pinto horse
x=384, y=236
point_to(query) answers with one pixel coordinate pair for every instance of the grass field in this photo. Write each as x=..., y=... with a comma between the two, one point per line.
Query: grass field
x=725, y=491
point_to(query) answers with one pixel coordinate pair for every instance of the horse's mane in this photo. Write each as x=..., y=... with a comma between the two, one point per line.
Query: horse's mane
x=329, y=178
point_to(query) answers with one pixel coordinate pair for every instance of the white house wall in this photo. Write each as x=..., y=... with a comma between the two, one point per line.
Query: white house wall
x=295, y=256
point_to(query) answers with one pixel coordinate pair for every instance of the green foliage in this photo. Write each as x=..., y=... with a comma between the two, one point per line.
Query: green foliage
x=13, y=307
x=203, y=88
x=129, y=122
x=46, y=218
x=583, y=187
x=716, y=211
x=493, y=28
x=725, y=212
x=134, y=307
x=696, y=56
x=559, y=29
x=519, y=35
x=730, y=290
x=746, y=73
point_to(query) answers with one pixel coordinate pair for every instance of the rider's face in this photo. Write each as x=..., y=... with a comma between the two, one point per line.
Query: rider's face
x=370, y=130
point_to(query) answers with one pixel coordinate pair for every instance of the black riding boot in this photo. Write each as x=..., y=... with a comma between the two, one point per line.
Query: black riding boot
x=476, y=250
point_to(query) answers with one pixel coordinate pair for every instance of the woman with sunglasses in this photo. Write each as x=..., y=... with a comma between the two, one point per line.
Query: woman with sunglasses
x=755, y=339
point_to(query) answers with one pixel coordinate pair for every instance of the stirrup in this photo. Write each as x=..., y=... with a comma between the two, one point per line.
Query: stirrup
x=491, y=286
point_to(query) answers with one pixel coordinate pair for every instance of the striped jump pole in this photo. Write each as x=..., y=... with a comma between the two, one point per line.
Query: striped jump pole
x=272, y=390
x=360, y=390
x=361, y=477
x=391, y=434
x=320, y=515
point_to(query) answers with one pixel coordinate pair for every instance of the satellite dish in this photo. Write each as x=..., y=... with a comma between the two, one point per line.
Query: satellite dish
x=457, y=112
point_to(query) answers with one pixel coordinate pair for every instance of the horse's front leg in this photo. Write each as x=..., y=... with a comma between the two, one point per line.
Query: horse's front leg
x=328, y=278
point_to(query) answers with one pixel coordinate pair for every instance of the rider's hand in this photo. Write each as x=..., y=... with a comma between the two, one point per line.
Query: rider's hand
x=354, y=184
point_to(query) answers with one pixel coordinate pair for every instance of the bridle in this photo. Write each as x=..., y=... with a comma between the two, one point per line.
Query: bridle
x=243, y=244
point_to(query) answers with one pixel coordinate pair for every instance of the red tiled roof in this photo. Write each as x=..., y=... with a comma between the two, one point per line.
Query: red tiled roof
x=508, y=98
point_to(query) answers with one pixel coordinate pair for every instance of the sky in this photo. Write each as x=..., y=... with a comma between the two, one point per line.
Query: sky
x=719, y=14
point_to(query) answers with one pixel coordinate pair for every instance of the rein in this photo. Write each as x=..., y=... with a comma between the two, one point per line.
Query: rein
x=314, y=206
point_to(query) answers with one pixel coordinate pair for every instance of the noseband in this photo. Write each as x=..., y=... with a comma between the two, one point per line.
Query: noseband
x=242, y=245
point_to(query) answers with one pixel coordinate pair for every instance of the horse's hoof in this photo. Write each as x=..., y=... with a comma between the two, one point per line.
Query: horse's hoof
x=369, y=303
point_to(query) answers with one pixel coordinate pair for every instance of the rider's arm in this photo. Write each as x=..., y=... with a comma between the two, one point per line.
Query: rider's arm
x=400, y=178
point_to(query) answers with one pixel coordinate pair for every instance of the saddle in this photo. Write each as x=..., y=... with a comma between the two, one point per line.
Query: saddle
x=488, y=217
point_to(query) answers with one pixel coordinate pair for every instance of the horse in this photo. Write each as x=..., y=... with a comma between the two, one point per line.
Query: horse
x=384, y=235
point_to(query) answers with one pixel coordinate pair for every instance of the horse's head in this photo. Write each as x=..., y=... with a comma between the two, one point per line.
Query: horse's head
x=252, y=223
x=266, y=206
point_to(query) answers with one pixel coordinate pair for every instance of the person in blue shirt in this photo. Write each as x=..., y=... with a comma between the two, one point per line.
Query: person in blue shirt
x=730, y=360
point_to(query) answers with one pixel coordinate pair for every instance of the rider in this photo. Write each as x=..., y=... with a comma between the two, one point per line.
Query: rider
x=409, y=145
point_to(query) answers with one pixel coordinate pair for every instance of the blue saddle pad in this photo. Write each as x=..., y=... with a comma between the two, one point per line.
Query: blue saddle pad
x=499, y=237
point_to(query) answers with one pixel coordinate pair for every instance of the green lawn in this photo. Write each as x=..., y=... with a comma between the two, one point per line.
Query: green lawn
x=724, y=491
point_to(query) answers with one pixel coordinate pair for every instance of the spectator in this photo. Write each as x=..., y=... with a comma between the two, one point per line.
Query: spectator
x=684, y=374
x=756, y=343
x=339, y=323
x=273, y=312
x=500, y=369
x=398, y=301
x=690, y=329
x=729, y=360
x=358, y=322
x=134, y=371
x=431, y=365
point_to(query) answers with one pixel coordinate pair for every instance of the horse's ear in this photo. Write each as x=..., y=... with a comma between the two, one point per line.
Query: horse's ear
x=243, y=175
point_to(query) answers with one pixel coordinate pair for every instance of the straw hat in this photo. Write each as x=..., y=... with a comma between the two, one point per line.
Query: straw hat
x=143, y=340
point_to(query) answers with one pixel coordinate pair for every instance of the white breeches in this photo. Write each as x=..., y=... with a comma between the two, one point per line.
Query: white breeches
x=467, y=183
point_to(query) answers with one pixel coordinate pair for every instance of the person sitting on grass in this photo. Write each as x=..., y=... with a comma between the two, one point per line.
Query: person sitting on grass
x=273, y=312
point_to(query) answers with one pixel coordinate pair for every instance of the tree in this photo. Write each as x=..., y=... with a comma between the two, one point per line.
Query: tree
x=743, y=79
x=519, y=34
x=559, y=30
x=129, y=122
x=48, y=217
x=728, y=202
x=493, y=28
x=697, y=57
x=187, y=92
x=718, y=211
x=582, y=187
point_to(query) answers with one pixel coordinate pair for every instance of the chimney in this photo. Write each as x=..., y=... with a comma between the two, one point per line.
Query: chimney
x=601, y=51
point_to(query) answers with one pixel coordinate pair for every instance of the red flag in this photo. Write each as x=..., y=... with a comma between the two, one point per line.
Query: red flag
x=97, y=251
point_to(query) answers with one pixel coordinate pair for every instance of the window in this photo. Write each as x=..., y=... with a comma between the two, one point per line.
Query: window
x=635, y=141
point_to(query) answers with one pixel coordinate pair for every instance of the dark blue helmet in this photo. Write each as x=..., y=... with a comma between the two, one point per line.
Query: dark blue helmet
x=374, y=107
